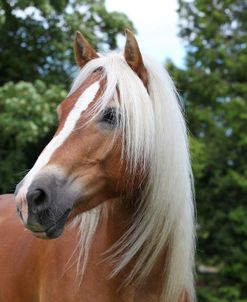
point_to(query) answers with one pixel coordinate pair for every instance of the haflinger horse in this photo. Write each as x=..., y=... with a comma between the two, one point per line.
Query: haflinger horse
x=114, y=186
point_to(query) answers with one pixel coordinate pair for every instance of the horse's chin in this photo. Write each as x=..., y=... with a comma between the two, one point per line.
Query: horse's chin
x=52, y=233
x=40, y=235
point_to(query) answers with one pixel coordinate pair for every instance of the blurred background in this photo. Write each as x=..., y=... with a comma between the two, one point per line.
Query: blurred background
x=204, y=46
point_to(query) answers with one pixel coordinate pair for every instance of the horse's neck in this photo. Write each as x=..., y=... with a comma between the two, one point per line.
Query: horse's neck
x=111, y=228
x=96, y=286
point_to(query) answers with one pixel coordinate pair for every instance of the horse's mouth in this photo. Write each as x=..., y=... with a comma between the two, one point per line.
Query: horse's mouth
x=53, y=231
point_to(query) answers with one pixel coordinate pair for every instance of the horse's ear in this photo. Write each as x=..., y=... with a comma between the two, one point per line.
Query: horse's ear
x=133, y=57
x=84, y=52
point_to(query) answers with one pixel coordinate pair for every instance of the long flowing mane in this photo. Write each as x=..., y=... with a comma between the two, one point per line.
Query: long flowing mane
x=155, y=136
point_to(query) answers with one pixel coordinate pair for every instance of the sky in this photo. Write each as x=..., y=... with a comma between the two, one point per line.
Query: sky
x=156, y=22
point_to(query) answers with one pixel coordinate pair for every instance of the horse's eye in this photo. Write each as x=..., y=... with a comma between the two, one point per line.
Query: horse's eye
x=110, y=116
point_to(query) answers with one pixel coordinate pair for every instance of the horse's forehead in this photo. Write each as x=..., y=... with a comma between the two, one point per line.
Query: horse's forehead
x=67, y=105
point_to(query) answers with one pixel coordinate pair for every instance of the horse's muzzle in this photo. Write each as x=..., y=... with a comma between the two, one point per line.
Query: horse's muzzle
x=50, y=200
x=44, y=215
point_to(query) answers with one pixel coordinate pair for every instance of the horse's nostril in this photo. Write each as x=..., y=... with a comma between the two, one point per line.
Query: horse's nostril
x=36, y=197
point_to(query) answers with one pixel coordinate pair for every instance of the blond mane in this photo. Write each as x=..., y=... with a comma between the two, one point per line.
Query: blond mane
x=156, y=136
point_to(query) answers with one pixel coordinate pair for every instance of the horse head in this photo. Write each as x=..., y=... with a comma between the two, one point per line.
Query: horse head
x=84, y=164
x=121, y=139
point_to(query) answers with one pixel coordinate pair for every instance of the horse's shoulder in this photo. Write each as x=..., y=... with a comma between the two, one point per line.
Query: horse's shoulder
x=7, y=208
x=10, y=226
x=7, y=202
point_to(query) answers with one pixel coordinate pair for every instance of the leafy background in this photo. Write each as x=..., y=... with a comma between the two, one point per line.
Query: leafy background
x=36, y=68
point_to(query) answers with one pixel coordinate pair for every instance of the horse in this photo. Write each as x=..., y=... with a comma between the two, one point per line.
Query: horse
x=112, y=192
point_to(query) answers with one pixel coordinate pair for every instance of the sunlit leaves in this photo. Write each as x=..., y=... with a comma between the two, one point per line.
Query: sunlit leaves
x=27, y=116
x=37, y=36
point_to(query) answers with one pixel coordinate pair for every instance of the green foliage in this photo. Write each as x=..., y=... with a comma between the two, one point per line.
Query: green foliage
x=36, y=36
x=198, y=156
x=26, y=121
x=36, y=39
x=213, y=85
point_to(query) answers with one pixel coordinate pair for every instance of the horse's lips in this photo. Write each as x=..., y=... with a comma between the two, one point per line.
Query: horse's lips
x=55, y=230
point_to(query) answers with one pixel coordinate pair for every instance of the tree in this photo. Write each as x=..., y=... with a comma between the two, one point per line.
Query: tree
x=27, y=121
x=213, y=85
x=37, y=65
x=36, y=36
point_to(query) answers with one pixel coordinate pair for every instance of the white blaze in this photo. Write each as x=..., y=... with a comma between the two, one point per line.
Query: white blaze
x=81, y=105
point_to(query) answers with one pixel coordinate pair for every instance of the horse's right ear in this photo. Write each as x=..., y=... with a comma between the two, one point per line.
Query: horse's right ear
x=133, y=57
x=84, y=52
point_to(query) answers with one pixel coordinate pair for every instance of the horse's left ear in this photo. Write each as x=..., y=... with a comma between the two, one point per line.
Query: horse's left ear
x=133, y=57
x=84, y=52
